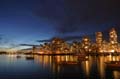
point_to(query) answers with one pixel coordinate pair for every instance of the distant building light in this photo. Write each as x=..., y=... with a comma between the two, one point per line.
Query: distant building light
x=112, y=51
x=40, y=52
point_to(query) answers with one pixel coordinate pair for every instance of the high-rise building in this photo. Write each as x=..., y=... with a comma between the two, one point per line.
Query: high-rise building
x=57, y=45
x=86, y=43
x=113, y=36
x=99, y=41
x=99, y=38
x=113, y=40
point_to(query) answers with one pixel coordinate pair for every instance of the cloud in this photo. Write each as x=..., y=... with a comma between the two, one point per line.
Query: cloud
x=47, y=40
x=68, y=38
x=6, y=42
x=105, y=33
x=77, y=15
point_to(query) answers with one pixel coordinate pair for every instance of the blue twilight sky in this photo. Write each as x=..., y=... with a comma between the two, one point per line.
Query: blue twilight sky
x=25, y=21
x=18, y=24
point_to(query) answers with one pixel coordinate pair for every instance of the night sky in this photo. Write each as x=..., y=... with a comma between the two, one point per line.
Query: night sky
x=25, y=21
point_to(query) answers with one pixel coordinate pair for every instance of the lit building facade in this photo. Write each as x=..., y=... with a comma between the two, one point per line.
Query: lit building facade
x=113, y=36
x=99, y=38
x=86, y=44
x=113, y=40
x=99, y=41
x=58, y=45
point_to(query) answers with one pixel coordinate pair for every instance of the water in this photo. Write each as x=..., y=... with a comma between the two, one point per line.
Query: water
x=48, y=67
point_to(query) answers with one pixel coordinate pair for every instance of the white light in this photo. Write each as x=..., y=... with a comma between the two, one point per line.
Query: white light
x=112, y=50
x=40, y=52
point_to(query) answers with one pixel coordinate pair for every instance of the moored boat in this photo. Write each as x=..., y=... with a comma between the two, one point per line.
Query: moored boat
x=18, y=56
x=113, y=64
x=29, y=57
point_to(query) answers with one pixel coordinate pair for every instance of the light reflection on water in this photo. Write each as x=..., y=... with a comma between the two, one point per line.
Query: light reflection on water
x=49, y=67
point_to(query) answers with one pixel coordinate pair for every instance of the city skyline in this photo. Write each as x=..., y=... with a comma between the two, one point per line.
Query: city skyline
x=23, y=21
x=81, y=45
x=59, y=39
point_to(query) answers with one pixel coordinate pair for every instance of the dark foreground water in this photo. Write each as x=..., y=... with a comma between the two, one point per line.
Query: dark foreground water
x=48, y=67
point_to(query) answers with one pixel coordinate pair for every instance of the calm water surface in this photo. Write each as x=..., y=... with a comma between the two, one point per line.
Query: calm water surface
x=48, y=67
